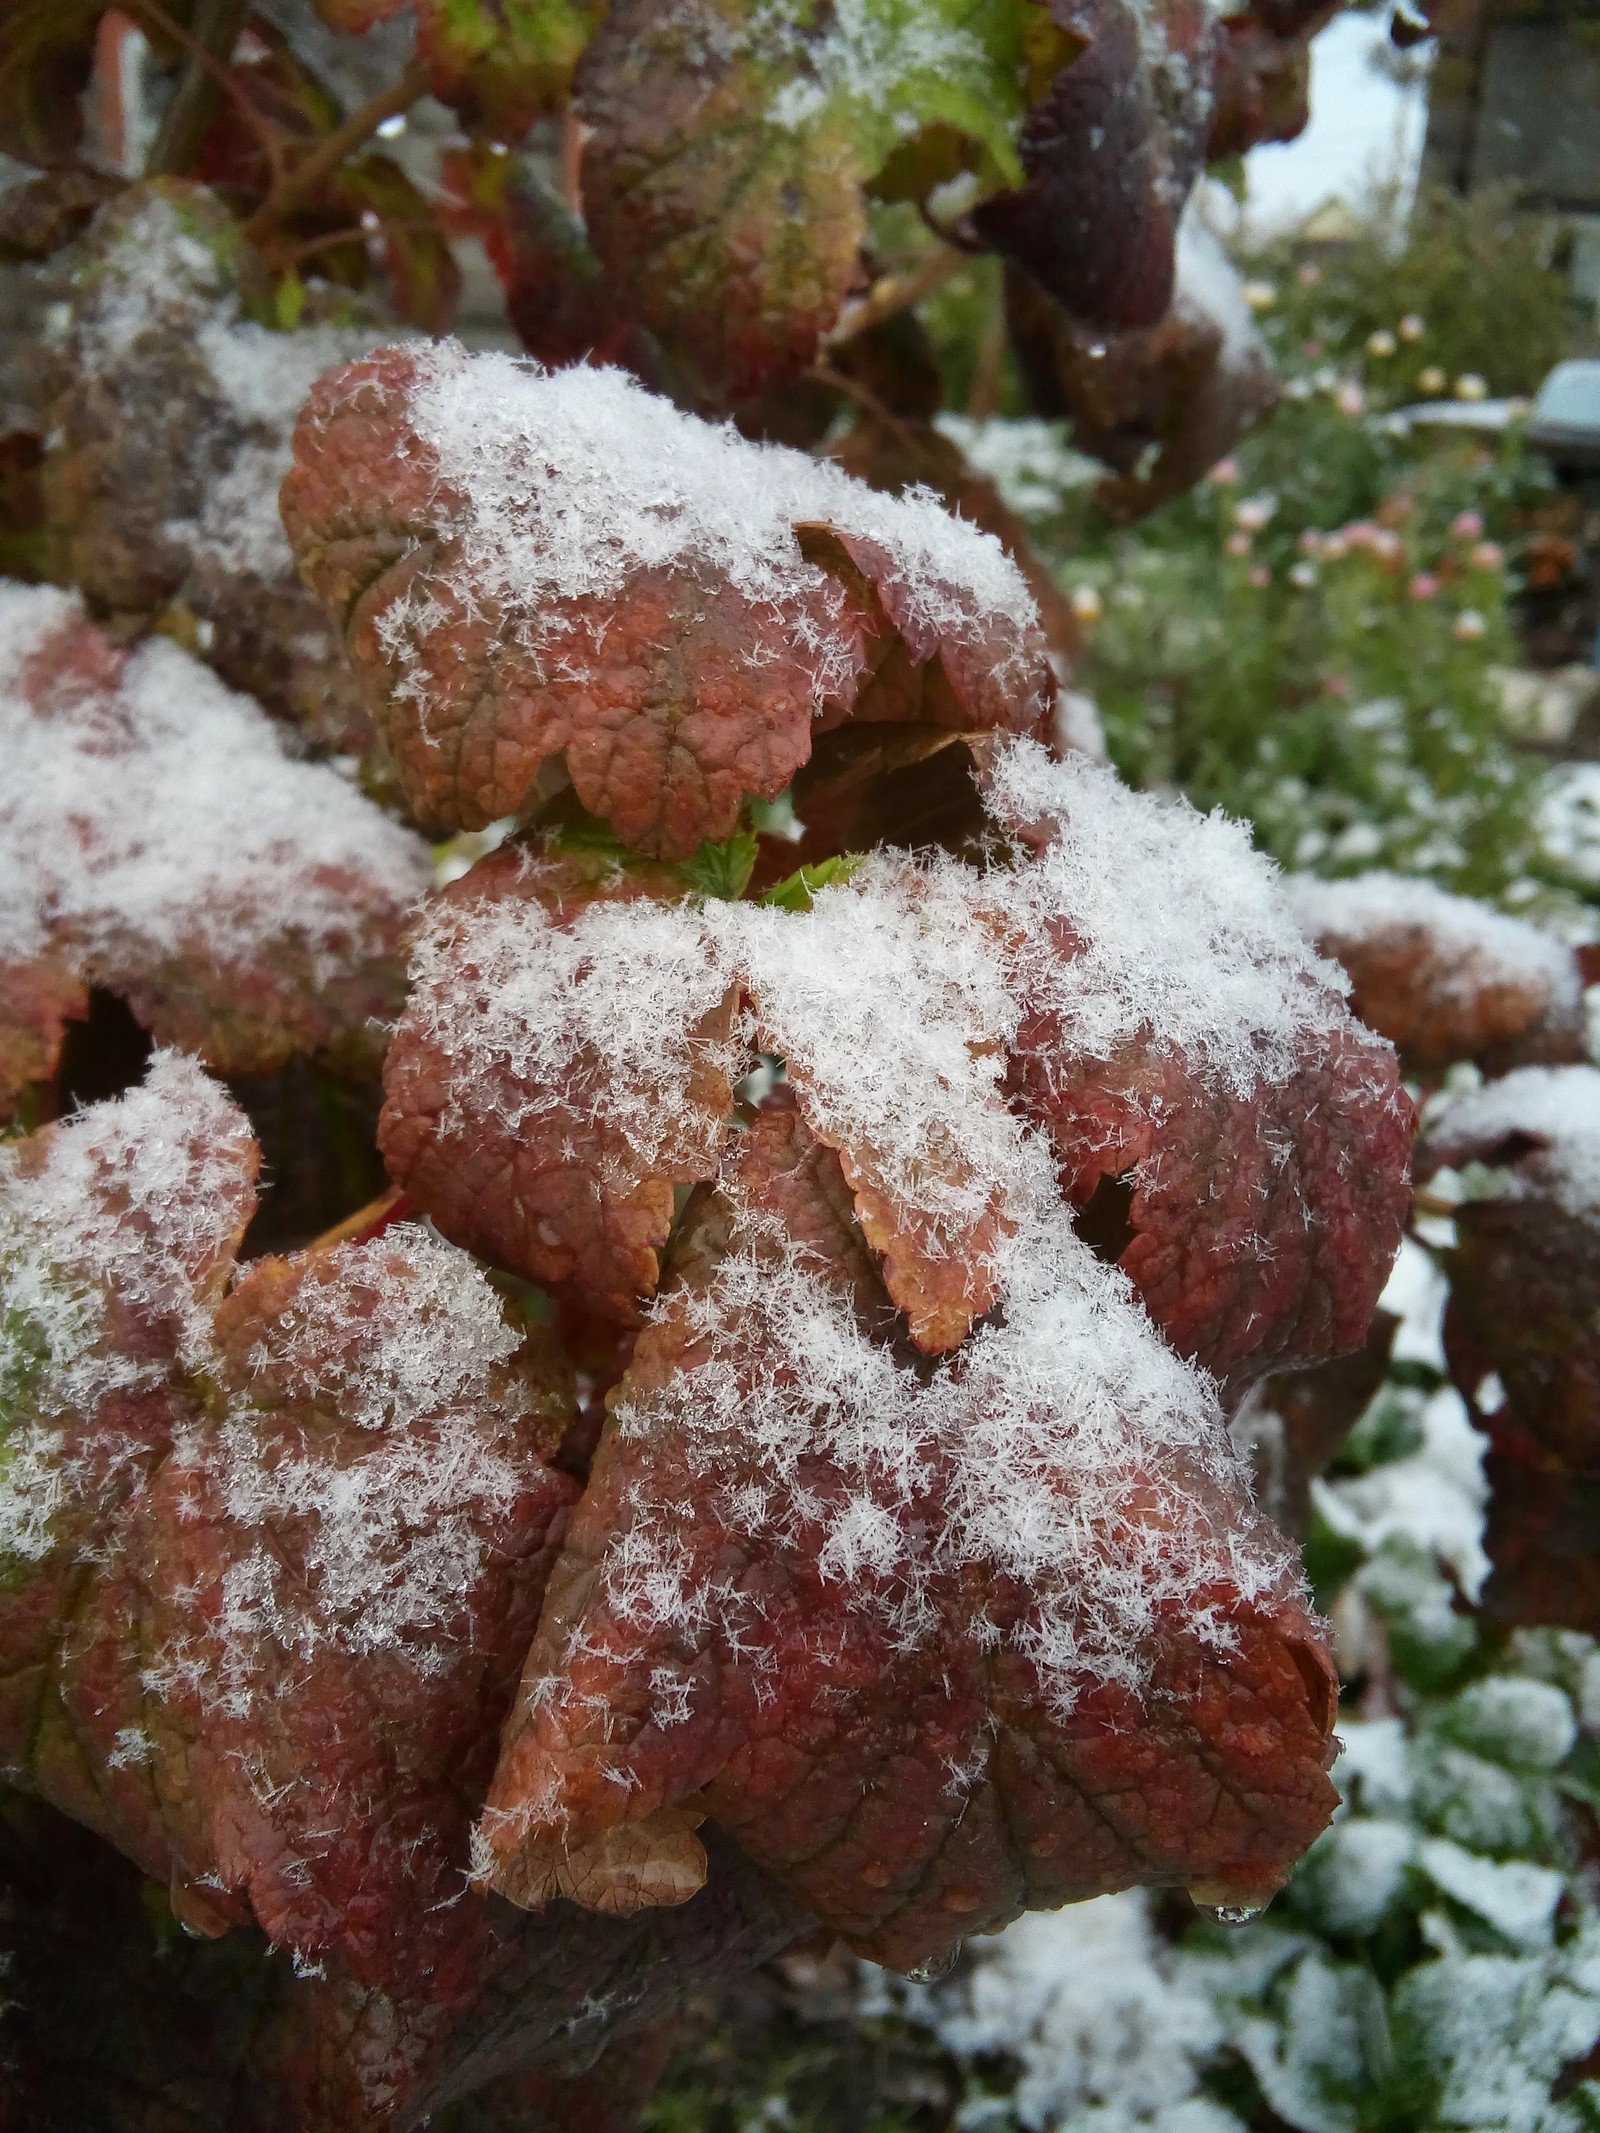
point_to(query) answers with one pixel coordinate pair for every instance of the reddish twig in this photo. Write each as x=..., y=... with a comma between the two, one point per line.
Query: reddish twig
x=302, y=183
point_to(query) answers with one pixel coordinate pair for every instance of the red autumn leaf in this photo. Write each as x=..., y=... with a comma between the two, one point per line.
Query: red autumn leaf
x=1110, y=150
x=168, y=437
x=932, y=1649
x=543, y=571
x=731, y=231
x=276, y=1556
x=561, y=303
x=550, y=1084
x=562, y=1168
x=159, y=842
x=1520, y=1331
x=1445, y=978
x=1235, y=1142
x=1261, y=87
x=499, y=64
x=1160, y=406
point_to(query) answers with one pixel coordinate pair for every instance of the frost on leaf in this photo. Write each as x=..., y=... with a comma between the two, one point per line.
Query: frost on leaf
x=1445, y=978
x=1230, y=1136
x=274, y=1557
x=155, y=839
x=1160, y=406
x=932, y=1645
x=730, y=215
x=545, y=573
x=169, y=437
x=1521, y=1333
x=1111, y=148
x=1134, y=988
x=563, y=1063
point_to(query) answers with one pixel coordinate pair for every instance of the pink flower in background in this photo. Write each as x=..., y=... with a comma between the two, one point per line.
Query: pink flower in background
x=1224, y=473
x=1238, y=544
x=1487, y=555
x=1467, y=526
x=1424, y=585
x=1261, y=577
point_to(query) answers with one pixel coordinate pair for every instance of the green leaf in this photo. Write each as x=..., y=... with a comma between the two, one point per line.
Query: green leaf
x=799, y=889
x=723, y=869
x=722, y=186
x=503, y=63
x=954, y=66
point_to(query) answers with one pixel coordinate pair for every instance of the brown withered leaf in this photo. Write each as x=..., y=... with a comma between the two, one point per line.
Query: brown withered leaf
x=537, y=1169
x=732, y=235
x=276, y=931
x=1445, y=978
x=771, y=1610
x=519, y=600
x=1160, y=406
x=168, y=437
x=1111, y=149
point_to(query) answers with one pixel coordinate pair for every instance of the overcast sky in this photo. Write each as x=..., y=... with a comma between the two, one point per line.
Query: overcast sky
x=1364, y=130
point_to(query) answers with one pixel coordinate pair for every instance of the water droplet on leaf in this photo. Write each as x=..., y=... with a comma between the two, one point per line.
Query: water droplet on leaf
x=936, y=1967
x=1231, y=1914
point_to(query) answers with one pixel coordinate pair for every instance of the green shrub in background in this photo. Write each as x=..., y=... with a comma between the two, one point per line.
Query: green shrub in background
x=1311, y=638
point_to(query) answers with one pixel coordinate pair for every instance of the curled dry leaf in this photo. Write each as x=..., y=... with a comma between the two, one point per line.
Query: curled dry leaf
x=931, y=1647
x=1521, y=1333
x=156, y=840
x=1445, y=978
x=1111, y=149
x=169, y=436
x=1160, y=406
x=729, y=212
x=543, y=572
x=552, y=1080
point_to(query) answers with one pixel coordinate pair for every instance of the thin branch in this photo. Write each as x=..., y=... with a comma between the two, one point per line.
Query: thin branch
x=352, y=233
x=894, y=293
x=1433, y=1203
x=865, y=398
x=197, y=98
x=304, y=181
x=266, y=134
x=366, y=1221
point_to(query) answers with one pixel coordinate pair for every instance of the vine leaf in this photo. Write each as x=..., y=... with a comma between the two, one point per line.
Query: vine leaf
x=1520, y=1331
x=775, y=1607
x=273, y=1556
x=556, y=1168
x=1161, y=406
x=549, y=577
x=168, y=437
x=280, y=929
x=733, y=226
x=1111, y=148
x=1445, y=978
